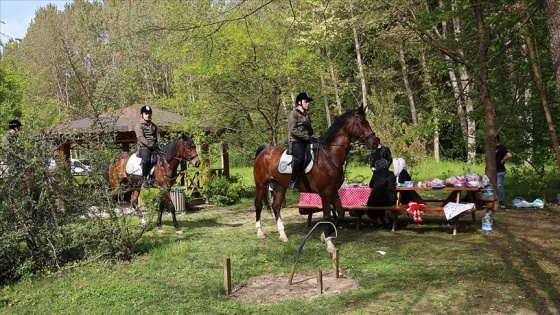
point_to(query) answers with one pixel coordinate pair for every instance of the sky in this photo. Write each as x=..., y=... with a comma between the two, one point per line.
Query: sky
x=15, y=15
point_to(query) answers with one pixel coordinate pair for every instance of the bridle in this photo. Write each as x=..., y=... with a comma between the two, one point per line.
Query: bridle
x=187, y=159
x=363, y=138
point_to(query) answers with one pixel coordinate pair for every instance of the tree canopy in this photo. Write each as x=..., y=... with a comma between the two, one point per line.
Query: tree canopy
x=440, y=78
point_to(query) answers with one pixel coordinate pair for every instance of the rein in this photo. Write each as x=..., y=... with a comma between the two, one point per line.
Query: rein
x=187, y=159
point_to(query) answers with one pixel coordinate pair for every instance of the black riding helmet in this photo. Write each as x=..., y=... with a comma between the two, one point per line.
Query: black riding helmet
x=14, y=123
x=146, y=109
x=303, y=96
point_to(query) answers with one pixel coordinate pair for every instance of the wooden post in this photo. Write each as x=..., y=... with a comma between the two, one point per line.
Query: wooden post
x=335, y=264
x=319, y=282
x=227, y=275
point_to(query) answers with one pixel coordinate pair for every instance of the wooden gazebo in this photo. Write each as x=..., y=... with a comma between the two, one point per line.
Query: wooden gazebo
x=122, y=122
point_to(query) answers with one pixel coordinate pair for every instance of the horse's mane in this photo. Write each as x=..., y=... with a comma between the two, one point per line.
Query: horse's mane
x=170, y=149
x=329, y=136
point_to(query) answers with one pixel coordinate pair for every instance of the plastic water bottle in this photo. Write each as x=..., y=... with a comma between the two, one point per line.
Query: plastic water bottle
x=487, y=224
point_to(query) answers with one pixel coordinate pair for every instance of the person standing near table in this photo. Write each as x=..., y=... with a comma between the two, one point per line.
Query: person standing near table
x=148, y=139
x=300, y=135
x=378, y=153
x=383, y=193
x=502, y=156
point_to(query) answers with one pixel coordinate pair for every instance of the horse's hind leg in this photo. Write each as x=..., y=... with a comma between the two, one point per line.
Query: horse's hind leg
x=260, y=192
x=134, y=203
x=166, y=200
x=279, y=194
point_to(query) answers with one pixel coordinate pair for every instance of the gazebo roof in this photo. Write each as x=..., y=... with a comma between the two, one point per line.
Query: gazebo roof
x=124, y=120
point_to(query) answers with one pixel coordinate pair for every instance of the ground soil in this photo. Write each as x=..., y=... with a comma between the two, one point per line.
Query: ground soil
x=273, y=288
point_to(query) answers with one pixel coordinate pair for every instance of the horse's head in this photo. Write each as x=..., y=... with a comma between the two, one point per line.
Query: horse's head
x=186, y=150
x=361, y=129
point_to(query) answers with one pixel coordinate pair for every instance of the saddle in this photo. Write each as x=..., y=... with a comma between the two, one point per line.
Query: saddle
x=134, y=164
x=285, y=163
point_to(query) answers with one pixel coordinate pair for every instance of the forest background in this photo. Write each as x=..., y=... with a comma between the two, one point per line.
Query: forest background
x=439, y=78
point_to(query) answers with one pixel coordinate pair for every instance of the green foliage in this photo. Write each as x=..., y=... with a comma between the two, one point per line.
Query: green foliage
x=51, y=218
x=221, y=191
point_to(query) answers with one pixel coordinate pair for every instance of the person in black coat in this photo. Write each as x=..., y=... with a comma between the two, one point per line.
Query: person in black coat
x=378, y=153
x=383, y=192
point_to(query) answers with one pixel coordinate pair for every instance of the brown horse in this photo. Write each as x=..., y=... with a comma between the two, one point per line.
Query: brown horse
x=325, y=178
x=179, y=150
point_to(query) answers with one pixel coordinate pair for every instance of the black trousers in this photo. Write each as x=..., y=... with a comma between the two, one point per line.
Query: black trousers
x=298, y=153
x=146, y=156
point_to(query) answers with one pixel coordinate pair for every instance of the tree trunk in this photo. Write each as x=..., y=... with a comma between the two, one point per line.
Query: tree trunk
x=536, y=71
x=334, y=79
x=481, y=81
x=468, y=125
x=428, y=86
x=326, y=100
x=360, y=63
x=404, y=69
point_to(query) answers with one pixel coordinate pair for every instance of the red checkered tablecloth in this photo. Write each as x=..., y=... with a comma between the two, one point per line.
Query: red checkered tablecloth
x=349, y=196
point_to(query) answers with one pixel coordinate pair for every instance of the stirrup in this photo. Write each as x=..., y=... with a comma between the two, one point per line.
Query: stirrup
x=146, y=184
x=292, y=186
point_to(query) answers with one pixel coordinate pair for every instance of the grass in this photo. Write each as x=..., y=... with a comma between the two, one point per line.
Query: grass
x=426, y=270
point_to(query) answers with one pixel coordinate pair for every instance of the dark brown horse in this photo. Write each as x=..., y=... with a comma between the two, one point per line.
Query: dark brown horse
x=179, y=150
x=325, y=178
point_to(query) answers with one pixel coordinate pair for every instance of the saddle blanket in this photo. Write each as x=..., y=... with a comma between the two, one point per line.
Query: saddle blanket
x=285, y=164
x=134, y=165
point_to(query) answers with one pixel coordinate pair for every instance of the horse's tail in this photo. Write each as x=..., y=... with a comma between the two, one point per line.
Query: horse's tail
x=266, y=201
x=259, y=150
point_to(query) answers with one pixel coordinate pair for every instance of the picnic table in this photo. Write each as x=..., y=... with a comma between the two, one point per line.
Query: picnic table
x=354, y=199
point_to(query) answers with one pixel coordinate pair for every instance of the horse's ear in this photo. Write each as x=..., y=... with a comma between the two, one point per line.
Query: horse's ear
x=361, y=109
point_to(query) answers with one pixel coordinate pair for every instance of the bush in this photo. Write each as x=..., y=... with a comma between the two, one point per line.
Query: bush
x=221, y=191
x=50, y=218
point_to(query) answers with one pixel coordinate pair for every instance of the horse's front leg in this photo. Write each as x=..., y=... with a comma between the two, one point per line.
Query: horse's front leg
x=337, y=205
x=134, y=203
x=279, y=195
x=165, y=200
x=329, y=228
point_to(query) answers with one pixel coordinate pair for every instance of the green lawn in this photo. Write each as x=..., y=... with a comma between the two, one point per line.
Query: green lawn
x=426, y=270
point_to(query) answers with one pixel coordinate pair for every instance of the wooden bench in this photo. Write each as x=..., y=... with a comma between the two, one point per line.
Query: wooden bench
x=394, y=212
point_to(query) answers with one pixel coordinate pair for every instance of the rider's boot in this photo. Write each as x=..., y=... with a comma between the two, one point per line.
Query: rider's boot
x=296, y=169
x=145, y=176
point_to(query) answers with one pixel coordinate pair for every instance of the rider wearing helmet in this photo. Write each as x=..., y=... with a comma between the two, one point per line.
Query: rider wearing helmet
x=148, y=139
x=300, y=135
x=13, y=127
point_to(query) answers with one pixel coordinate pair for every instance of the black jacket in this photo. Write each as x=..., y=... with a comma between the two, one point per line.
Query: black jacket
x=383, y=191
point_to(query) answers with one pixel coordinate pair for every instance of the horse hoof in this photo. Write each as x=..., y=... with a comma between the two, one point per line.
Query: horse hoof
x=323, y=237
x=284, y=239
x=179, y=232
x=261, y=236
x=160, y=230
